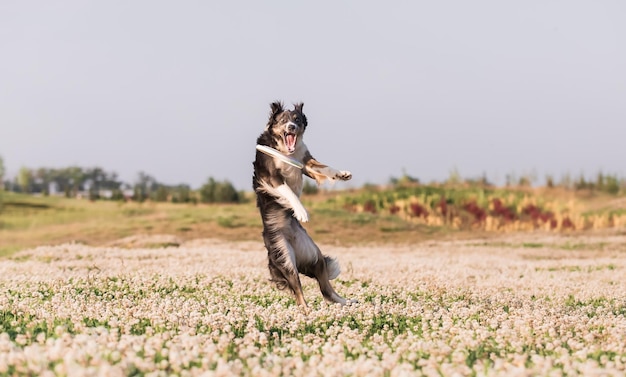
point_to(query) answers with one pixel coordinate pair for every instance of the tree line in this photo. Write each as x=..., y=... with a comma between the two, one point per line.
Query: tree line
x=99, y=184
x=601, y=182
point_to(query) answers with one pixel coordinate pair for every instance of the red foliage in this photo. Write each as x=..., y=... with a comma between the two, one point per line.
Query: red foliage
x=473, y=208
x=537, y=214
x=394, y=209
x=500, y=210
x=418, y=210
x=567, y=224
x=369, y=206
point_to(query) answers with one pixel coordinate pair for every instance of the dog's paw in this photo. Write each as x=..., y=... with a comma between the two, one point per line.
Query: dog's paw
x=343, y=175
x=301, y=214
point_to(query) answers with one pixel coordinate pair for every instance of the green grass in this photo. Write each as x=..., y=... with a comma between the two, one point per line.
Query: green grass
x=28, y=221
x=335, y=217
x=532, y=245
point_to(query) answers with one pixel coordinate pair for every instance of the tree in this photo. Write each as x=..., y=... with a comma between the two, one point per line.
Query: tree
x=144, y=186
x=182, y=194
x=161, y=194
x=612, y=184
x=309, y=188
x=77, y=178
x=42, y=180
x=25, y=179
x=218, y=192
x=404, y=180
x=226, y=193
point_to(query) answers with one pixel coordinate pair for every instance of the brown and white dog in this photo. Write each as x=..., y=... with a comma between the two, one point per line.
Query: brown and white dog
x=278, y=186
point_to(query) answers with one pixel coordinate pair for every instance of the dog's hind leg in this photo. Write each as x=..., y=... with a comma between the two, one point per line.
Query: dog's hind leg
x=321, y=270
x=282, y=266
x=315, y=265
x=284, y=278
x=296, y=287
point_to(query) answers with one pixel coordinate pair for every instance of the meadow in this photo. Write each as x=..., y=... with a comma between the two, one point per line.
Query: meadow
x=401, y=214
x=122, y=289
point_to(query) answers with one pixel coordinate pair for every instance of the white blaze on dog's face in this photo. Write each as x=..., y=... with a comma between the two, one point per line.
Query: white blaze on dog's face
x=288, y=129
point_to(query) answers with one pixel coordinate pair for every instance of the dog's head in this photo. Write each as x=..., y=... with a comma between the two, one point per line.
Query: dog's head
x=286, y=127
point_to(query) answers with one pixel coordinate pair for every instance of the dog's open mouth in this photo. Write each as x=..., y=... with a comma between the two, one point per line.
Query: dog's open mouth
x=290, y=141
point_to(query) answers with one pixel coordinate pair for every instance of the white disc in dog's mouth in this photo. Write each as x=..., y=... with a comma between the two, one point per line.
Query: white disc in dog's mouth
x=276, y=154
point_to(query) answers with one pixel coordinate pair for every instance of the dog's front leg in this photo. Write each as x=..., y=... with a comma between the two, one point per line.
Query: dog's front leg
x=321, y=172
x=285, y=197
x=289, y=199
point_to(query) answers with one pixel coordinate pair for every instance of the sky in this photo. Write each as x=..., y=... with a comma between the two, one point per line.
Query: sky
x=181, y=90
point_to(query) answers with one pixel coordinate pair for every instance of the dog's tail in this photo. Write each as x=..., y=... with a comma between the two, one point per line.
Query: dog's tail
x=332, y=266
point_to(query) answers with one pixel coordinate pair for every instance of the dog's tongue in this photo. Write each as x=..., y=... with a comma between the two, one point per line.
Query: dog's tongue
x=290, y=139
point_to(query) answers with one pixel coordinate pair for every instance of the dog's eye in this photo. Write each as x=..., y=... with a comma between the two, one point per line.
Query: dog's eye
x=296, y=119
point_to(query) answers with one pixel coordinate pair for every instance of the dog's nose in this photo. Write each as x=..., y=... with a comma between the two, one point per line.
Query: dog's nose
x=291, y=127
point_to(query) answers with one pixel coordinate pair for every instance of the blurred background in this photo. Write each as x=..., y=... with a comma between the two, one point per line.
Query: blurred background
x=177, y=92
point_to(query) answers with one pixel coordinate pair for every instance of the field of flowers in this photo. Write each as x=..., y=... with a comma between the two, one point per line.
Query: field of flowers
x=532, y=304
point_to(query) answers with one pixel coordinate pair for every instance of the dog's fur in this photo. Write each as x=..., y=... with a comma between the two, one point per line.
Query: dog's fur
x=278, y=186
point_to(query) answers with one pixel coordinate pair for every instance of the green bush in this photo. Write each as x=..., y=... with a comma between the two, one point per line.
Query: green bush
x=219, y=192
x=309, y=188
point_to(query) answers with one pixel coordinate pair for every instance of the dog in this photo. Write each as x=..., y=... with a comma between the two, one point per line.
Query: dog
x=278, y=186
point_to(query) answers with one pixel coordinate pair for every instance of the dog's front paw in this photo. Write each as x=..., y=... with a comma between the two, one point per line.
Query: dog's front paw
x=344, y=175
x=301, y=214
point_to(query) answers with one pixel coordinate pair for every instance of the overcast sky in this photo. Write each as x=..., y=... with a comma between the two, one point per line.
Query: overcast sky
x=181, y=89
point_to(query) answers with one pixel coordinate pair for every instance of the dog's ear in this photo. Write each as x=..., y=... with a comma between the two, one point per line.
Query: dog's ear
x=298, y=107
x=277, y=108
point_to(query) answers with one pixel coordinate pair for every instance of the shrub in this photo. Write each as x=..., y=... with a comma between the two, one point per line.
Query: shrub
x=309, y=188
x=219, y=192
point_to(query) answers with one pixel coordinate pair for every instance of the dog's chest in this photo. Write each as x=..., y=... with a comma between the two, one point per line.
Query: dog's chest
x=293, y=178
x=292, y=175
